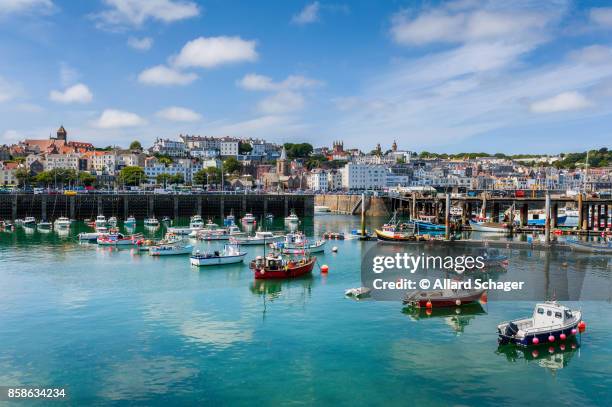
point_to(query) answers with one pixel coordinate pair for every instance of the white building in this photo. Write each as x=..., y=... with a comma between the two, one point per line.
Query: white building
x=363, y=176
x=229, y=147
x=104, y=162
x=171, y=148
x=7, y=174
x=62, y=161
x=334, y=180
x=318, y=180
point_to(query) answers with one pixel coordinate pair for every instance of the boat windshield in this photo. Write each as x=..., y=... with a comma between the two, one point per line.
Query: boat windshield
x=568, y=314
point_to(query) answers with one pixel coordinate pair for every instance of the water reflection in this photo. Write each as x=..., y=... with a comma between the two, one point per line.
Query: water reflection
x=552, y=358
x=457, y=318
x=296, y=291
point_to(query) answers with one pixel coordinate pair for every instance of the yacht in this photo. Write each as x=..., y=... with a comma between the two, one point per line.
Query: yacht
x=100, y=221
x=29, y=222
x=261, y=237
x=44, y=225
x=196, y=222
x=112, y=221
x=248, y=218
x=62, y=223
x=293, y=218
x=151, y=222
x=130, y=222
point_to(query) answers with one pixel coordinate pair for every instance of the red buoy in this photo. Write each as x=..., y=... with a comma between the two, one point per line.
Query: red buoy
x=428, y=305
x=324, y=268
x=535, y=341
x=582, y=326
x=551, y=338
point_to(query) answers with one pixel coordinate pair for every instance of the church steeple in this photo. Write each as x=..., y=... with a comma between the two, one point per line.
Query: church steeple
x=62, y=134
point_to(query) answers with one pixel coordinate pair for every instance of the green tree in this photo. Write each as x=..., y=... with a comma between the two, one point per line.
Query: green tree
x=177, y=179
x=244, y=148
x=135, y=145
x=163, y=178
x=231, y=165
x=23, y=176
x=132, y=175
x=86, y=178
x=44, y=178
x=300, y=150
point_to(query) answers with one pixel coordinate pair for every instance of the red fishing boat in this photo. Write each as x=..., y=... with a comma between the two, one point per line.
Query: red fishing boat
x=274, y=266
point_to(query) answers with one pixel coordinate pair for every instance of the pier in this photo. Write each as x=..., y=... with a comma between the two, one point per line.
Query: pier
x=217, y=205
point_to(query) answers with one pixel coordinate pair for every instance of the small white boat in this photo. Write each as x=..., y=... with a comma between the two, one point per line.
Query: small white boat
x=488, y=227
x=112, y=221
x=321, y=209
x=29, y=222
x=248, y=218
x=181, y=230
x=88, y=236
x=314, y=247
x=130, y=222
x=170, y=249
x=196, y=222
x=62, y=223
x=151, y=222
x=100, y=221
x=261, y=237
x=230, y=254
x=549, y=323
x=44, y=225
x=360, y=292
x=293, y=218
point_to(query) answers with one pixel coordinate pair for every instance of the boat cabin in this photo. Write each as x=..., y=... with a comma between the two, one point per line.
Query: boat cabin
x=551, y=313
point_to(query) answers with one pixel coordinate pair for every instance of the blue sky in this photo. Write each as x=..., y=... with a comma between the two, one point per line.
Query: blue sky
x=498, y=76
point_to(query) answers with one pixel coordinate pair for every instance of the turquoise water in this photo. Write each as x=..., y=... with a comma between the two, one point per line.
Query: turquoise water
x=116, y=326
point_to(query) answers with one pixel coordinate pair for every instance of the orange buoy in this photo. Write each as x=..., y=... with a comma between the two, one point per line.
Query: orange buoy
x=324, y=268
x=484, y=298
x=582, y=326
x=428, y=305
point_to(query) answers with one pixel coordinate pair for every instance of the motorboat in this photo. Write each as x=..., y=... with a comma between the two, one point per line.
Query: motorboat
x=112, y=221
x=151, y=222
x=275, y=266
x=442, y=297
x=100, y=221
x=248, y=218
x=29, y=222
x=118, y=239
x=182, y=230
x=130, y=222
x=196, y=222
x=44, y=225
x=426, y=224
x=88, y=236
x=7, y=226
x=549, y=323
x=537, y=217
x=292, y=218
x=310, y=247
x=229, y=219
x=231, y=254
x=170, y=249
x=166, y=220
x=62, y=223
x=321, y=209
x=260, y=237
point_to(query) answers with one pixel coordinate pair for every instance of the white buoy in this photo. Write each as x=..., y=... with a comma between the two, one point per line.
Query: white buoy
x=335, y=249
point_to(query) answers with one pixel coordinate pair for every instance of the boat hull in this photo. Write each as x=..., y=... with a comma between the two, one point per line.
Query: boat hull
x=421, y=299
x=217, y=261
x=292, y=272
x=157, y=251
x=489, y=228
x=395, y=237
x=527, y=341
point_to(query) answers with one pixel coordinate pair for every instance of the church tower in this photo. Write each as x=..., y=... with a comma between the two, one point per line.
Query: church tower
x=61, y=133
x=282, y=169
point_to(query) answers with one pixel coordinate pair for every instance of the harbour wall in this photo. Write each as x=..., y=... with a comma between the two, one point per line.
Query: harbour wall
x=84, y=206
x=351, y=204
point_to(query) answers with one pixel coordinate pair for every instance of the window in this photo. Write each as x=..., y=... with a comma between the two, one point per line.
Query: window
x=549, y=313
x=558, y=315
x=540, y=310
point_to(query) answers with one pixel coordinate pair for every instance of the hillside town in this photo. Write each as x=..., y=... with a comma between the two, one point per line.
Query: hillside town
x=234, y=164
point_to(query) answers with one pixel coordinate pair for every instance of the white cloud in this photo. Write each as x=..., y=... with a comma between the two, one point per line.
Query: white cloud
x=25, y=6
x=208, y=52
x=281, y=102
x=447, y=25
x=162, y=75
x=562, y=102
x=136, y=12
x=593, y=54
x=309, y=14
x=78, y=93
x=140, y=44
x=261, y=126
x=260, y=82
x=602, y=16
x=112, y=118
x=179, y=114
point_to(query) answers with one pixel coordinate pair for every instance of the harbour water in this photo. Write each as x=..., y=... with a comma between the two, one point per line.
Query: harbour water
x=115, y=325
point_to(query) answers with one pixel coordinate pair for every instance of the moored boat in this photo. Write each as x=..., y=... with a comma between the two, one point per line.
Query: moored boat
x=248, y=218
x=358, y=293
x=112, y=221
x=292, y=218
x=44, y=225
x=170, y=249
x=29, y=222
x=231, y=254
x=261, y=237
x=100, y=221
x=442, y=298
x=274, y=266
x=549, y=323
x=321, y=209
x=488, y=227
x=130, y=222
x=62, y=223
x=118, y=239
x=151, y=222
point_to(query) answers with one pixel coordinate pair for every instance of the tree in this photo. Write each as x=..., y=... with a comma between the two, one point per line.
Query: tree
x=177, y=179
x=315, y=161
x=86, y=178
x=132, y=175
x=244, y=148
x=163, y=178
x=135, y=145
x=300, y=150
x=23, y=176
x=231, y=165
x=44, y=178
x=209, y=175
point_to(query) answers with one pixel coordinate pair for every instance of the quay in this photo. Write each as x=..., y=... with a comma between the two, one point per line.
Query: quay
x=83, y=206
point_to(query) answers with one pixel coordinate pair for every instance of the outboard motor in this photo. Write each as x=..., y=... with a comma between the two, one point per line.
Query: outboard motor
x=511, y=329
